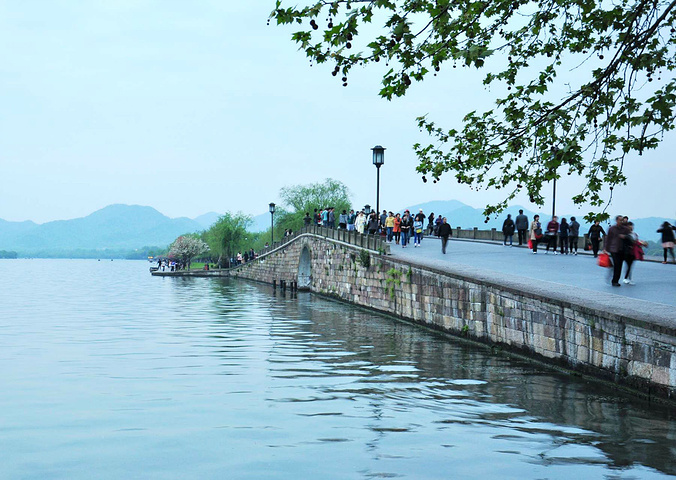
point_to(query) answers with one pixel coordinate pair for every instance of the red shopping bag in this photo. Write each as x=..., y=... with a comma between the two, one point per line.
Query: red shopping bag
x=530, y=243
x=604, y=260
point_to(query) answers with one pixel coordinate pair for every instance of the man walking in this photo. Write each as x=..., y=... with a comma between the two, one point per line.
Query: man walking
x=615, y=246
x=522, y=227
x=445, y=231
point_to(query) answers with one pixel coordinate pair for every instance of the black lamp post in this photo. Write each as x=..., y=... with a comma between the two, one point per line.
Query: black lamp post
x=555, y=151
x=367, y=210
x=378, y=160
x=272, y=219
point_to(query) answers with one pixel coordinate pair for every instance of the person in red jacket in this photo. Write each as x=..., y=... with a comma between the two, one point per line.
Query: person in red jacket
x=551, y=234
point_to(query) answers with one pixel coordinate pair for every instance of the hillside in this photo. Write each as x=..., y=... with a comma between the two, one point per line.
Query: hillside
x=111, y=228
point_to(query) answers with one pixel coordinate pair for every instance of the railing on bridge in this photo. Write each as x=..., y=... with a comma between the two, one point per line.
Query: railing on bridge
x=374, y=243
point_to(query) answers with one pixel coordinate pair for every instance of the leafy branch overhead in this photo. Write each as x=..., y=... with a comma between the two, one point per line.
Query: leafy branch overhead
x=615, y=101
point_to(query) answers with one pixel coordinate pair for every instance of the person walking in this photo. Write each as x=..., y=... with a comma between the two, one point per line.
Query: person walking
x=417, y=231
x=396, y=228
x=360, y=222
x=522, y=227
x=342, y=220
x=508, y=230
x=445, y=231
x=383, y=220
x=668, y=240
x=633, y=250
x=332, y=217
x=573, y=235
x=551, y=234
x=563, y=236
x=406, y=226
x=594, y=235
x=373, y=223
x=535, y=233
x=430, y=224
x=615, y=246
x=307, y=220
x=351, y=217
x=389, y=227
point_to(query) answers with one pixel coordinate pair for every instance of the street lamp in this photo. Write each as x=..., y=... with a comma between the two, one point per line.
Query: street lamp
x=555, y=152
x=378, y=160
x=272, y=219
x=367, y=210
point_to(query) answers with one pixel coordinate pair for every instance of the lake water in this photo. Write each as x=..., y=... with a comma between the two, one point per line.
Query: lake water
x=107, y=372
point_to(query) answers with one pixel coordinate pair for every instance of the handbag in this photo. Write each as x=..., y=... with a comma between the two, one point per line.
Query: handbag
x=638, y=251
x=530, y=244
x=604, y=260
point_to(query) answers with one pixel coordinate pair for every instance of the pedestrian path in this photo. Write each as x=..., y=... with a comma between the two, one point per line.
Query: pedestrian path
x=655, y=282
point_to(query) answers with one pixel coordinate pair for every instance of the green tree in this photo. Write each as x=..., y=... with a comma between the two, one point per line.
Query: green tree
x=228, y=235
x=615, y=101
x=305, y=198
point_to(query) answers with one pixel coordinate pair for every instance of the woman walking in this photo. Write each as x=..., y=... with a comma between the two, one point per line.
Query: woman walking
x=632, y=251
x=535, y=232
x=563, y=236
x=406, y=225
x=360, y=222
x=668, y=240
x=508, y=230
x=389, y=226
x=594, y=234
x=396, y=229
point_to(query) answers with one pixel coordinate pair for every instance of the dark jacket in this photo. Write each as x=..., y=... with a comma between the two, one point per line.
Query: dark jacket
x=667, y=233
x=508, y=227
x=521, y=222
x=595, y=231
x=563, y=229
x=574, y=229
x=406, y=224
x=445, y=230
x=615, y=238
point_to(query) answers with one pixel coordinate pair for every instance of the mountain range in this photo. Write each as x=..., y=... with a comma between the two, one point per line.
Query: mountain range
x=119, y=227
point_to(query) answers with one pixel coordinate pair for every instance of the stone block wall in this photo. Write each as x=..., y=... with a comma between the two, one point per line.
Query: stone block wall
x=627, y=350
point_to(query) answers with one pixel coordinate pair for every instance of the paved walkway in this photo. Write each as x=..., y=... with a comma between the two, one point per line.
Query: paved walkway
x=655, y=282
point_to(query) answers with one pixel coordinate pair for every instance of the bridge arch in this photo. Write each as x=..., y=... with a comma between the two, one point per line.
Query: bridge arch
x=305, y=269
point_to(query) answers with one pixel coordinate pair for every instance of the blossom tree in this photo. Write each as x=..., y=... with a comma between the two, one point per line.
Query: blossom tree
x=186, y=248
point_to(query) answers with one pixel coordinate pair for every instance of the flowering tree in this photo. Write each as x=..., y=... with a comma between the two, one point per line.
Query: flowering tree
x=186, y=248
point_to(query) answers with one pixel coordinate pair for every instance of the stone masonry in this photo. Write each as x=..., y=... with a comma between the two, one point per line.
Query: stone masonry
x=629, y=348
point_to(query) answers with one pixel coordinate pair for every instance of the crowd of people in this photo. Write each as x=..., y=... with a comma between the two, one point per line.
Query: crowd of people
x=403, y=229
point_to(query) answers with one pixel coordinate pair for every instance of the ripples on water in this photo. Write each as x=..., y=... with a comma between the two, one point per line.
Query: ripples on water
x=110, y=373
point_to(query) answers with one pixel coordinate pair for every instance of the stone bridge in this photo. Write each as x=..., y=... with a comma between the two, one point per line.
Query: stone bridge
x=631, y=347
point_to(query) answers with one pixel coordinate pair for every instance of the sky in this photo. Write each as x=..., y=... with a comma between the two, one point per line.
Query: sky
x=196, y=107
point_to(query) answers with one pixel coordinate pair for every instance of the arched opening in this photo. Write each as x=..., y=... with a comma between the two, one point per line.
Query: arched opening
x=305, y=269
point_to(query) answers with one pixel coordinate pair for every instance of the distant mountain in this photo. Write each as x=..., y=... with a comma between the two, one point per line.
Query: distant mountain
x=112, y=227
x=208, y=219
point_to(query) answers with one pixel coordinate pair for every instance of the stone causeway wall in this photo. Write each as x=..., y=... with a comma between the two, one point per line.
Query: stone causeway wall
x=629, y=348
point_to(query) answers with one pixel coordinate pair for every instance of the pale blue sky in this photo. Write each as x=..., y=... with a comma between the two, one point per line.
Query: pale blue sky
x=198, y=106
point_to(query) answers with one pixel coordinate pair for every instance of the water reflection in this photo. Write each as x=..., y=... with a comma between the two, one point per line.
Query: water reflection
x=545, y=417
x=108, y=370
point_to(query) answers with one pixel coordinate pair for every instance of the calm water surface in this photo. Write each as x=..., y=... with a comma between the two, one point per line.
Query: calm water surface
x=106, y=372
